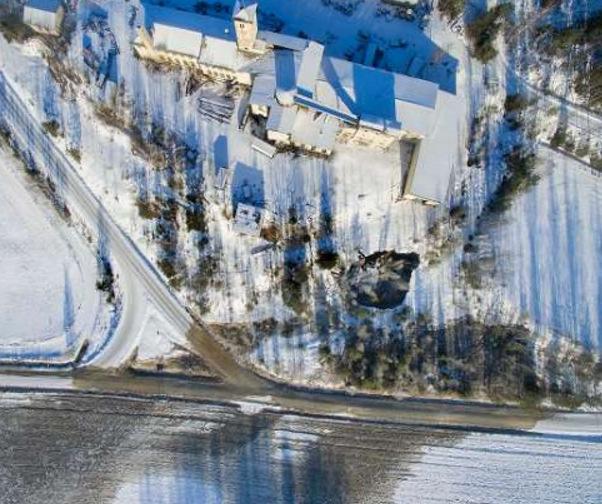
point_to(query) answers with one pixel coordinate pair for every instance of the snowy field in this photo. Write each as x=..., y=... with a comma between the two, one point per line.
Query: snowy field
x=553, y=244
x=547, y=250
x=155, y=452
x=506, y=469
x=49, y=302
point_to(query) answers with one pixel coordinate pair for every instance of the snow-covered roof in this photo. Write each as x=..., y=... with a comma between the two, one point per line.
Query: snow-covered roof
x=281, y=119
x=315, y=129
x=283, y=41
x=265, y=148
x=178, y=40
x=286, y=76
x=414, y=117
x=212, y=40
x=412, y=90
x=429, y=178
x=309, y=68
x=262, y=92
x=41, y=13
x=318, y=106
x=352, y=92
x=245, y=13
x=380, y=97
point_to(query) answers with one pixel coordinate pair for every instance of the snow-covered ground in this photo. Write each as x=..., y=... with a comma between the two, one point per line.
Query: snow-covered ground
x=578, y=424
x=505, y=469
x=49, y=303
x=545, y=253
x=154, y=451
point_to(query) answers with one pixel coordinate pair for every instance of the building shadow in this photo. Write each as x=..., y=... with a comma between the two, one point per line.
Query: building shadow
x=247, y=186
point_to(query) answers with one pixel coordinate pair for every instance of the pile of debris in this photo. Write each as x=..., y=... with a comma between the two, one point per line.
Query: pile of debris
x=382, y=279
x=216, y=101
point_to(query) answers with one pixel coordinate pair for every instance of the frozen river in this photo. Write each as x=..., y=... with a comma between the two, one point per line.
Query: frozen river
x=78, y=449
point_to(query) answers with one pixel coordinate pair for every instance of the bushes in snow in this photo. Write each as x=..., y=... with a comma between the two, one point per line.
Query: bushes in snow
x=588, y=84
x=584, y=33
x=582, y=41
x=451, y=9
x=195, y=219
x=75, y=154
x=471, y=270
x=595, y=160
x=294, y=280
x=327, y=259
x=563, y=139
x=466, y=357
x=463, y=358
x=515, y=103
x=483, y=31
x=52, y=127
x=106, y=282
x=14, y=30
x=147, y=209
x=520, y=175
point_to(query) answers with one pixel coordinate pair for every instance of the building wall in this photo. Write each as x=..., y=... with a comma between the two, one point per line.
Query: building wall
x=365, y=137
x=246, y=34
x=372, y=138
x=44, y=22
x=279, y=138
x=282, y=140
x=260, y=110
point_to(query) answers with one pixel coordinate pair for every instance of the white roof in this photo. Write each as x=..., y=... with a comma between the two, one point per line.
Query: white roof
x=265, y=148
x=417, y=91
x=437, y=155
x=285, y=76
x=380, y=97
x=309, y=68
x=262, y=92
x=212, y=40
x=283, y=41
x=315, y=129
x=328, y=96
x=415, y=117
x=281, y=119
x=350, y=91
x=178, y=40
x=245, y=13
x=41, y=13
x=222, y=178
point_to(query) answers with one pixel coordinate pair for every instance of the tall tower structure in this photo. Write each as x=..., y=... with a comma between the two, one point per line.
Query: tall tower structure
x=245, y=24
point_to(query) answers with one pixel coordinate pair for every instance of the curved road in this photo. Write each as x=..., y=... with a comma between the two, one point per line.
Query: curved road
x=144, y=286
x=140, y=280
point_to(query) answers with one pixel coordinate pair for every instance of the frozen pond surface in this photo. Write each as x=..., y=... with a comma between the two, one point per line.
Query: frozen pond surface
x=72, y=449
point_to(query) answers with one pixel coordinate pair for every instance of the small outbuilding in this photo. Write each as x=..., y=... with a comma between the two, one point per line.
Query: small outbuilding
x=44, y=16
